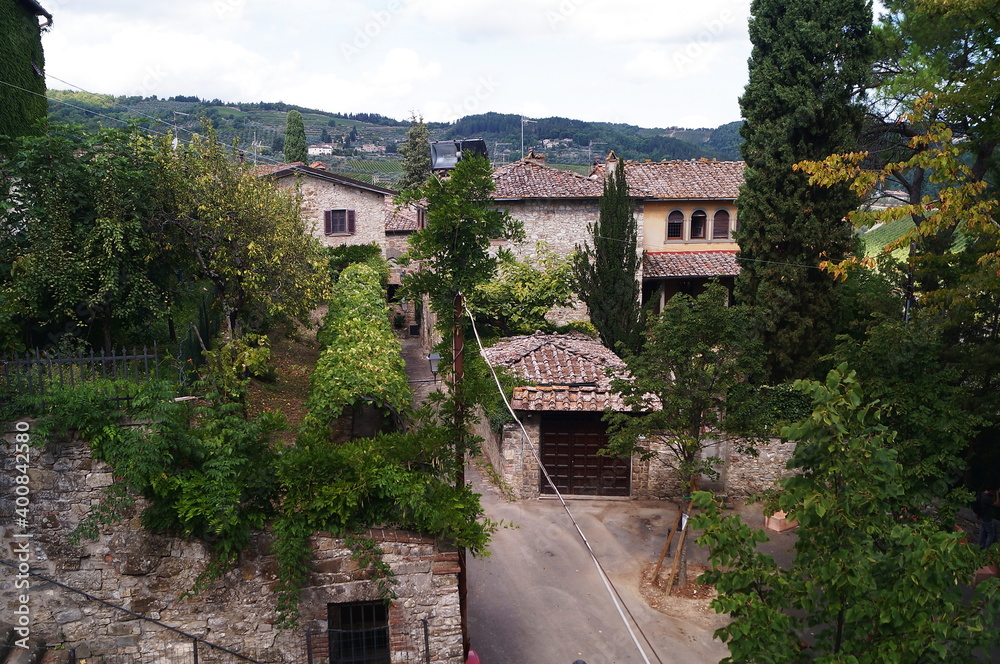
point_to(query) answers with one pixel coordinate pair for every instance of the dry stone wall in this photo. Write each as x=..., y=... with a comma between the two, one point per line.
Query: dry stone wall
x=149, y=574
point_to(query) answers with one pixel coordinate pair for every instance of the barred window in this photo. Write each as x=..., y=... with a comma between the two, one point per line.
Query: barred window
x=359, y=633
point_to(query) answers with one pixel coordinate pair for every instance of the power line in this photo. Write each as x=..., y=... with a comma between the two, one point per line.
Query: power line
x=757, y=260
x=608, y=584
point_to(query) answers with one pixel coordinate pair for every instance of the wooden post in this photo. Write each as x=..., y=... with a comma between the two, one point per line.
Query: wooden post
x=679, y=552
x=666, y=547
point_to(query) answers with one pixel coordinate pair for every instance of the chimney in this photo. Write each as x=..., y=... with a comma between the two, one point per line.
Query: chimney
x=535, y=158
x=318, y=165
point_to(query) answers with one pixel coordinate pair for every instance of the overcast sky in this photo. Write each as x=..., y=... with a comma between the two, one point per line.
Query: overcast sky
x=653, y=63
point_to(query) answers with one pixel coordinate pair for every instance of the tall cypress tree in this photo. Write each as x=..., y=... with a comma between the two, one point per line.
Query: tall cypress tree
x=809, y=60
x=295, y=138
x=607, y=274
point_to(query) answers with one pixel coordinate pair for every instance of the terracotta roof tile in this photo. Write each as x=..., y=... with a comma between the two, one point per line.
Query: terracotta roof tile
x=690, y=264
x=568, y=371
x=695, y=179
x=527, y=179
x=400, y=220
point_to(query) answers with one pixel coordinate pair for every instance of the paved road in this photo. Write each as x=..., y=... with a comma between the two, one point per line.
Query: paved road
x=539, y=598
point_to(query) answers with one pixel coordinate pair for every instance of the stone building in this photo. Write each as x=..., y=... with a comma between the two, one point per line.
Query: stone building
x=339, y=210
x=561, y=406
x=685, y=215
x=688, y=220
x=148, y=574
x=565, y=393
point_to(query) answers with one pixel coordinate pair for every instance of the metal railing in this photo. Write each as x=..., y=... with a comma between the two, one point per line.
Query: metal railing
x=35, y=373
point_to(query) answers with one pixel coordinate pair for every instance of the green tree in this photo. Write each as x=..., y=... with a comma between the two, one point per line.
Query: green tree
x=295, y=138
x=240, y=232
x=607, y=273
x=689, y=387
x=454, y=254
x=954, y=245
x=807, y=63
x=691, y=383
x=22, y=69
x=416, y=153
x=453, y=249
x=76, y=253
x=868, y=583
x=517, y=300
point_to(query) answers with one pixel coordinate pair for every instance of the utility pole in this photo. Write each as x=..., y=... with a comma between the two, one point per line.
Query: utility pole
x=458, y=390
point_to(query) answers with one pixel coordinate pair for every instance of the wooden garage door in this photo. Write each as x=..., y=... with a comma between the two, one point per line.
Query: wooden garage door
x=569, y=446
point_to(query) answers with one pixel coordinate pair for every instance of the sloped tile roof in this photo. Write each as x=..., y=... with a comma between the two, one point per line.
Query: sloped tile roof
x=568, y=371
x=298, y=168
x=695, y=179
x=690, y=264
x=527, y=179
x=400, y=220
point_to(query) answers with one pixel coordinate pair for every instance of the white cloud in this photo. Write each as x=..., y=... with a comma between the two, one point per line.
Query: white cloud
x=684, y=61
x=402, y=66
x=444, y=58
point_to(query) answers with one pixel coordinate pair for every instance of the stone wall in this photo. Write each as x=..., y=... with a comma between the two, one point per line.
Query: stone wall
x=320, y=195
x=511, y=457
x=740, y=475
x=747, y=475
x=559, y=223
x=148, y=573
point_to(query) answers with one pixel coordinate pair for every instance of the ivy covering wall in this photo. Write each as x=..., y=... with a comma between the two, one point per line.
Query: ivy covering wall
x=213, y=473
x=20, y=53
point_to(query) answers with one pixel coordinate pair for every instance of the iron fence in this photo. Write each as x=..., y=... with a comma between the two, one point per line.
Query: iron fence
x=35, y=373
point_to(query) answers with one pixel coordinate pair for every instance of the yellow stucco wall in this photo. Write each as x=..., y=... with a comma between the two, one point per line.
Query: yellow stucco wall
x=655, y=226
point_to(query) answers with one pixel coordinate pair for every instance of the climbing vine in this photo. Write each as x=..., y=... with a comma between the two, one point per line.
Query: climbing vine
x=211, y=472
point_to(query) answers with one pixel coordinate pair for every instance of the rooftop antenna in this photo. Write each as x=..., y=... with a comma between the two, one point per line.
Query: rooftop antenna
x=523, y=120
x=590, y=159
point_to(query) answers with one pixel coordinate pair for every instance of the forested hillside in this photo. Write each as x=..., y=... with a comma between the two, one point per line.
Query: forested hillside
x=364, y=144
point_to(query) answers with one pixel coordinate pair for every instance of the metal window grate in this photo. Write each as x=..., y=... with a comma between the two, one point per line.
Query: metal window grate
x=359, y=633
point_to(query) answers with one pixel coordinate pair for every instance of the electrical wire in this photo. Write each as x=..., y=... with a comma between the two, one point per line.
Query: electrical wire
x=608, y=584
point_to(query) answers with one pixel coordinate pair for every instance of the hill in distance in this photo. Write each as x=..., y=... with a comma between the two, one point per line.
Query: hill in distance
x=365, y=144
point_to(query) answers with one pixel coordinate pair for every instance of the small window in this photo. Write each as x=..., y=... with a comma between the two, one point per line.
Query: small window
x=675, y=225
x=359, y=633
x=338, y=222
x=699, y=220
x=720, y=225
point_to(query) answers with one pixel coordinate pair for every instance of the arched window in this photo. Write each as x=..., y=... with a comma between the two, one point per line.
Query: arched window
x=720, y=225
x=699, y=220
x=675, y=225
